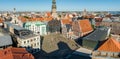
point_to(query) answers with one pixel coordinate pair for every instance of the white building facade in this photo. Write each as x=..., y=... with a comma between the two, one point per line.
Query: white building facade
x=39, y=28
x=31, y=42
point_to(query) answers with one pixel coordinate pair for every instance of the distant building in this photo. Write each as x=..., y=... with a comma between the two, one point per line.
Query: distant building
x=23, y=37
x=84, y=12
x=7, y=18
x=115, y=27
x=81, y=27
x=15, y=20
x=15, y=53
x=39, y=28
x=106, y=19
x=98, y=21
x=5, y=40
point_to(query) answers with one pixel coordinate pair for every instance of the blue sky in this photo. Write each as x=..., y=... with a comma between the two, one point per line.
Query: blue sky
x=62, y=5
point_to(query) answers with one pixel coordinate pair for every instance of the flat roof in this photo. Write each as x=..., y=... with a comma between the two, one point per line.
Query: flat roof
x=5, y=39
x=14, y=26
x=28, y=36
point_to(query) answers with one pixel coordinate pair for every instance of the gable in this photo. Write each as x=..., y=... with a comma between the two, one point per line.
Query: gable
x=111, y=45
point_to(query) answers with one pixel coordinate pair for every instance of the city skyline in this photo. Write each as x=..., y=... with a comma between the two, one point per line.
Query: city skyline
x=62, y=5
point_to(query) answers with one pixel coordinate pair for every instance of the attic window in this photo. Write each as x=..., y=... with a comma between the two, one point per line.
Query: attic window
x=38, y=32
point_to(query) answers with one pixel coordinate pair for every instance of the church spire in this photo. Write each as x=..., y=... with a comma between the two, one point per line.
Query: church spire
x=54, y=8
x=84, y=12
x=14, y=10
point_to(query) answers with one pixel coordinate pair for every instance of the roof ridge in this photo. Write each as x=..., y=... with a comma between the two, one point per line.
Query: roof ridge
x=116, y=43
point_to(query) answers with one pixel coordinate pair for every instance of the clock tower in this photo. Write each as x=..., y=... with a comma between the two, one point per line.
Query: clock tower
x=54, y=8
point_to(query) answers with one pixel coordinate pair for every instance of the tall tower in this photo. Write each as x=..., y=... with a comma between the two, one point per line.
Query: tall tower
x=14, y=10
x=54, y=8
x=84, y=12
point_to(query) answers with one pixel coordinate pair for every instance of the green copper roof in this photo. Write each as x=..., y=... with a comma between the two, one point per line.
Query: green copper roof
x=37, y=23
x=28, y=25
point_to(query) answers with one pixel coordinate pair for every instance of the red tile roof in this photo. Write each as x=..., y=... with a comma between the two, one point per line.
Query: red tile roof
x=111, y=45
x=48, y=18
x=88, y=16
x=66, y=21
x=1, y=21
x=68, y=16
x=85, y=25
x=15, y=53
x=23, y=19
x=49, y=14
x=37, y=19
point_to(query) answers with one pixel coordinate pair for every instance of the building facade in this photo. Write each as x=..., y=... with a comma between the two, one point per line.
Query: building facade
x=23, y=37
x=115, y=26
x=81, y=27
x=66, y=25
x=39, y=28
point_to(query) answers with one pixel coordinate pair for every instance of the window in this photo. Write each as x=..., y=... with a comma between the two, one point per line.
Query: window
x=31, y=45
x=35, y=44
x=28, y=41
x=38, y=43
x=38, y=32
x=31, y=40
x=24, y=42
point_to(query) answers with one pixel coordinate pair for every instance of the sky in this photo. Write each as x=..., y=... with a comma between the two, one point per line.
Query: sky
x=62, y=5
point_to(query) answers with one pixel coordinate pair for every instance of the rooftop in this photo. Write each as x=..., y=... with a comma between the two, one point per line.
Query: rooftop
x=14, y=26
x=98, y=35
x=111, y=45
x=66, y=21
x=23, y=19
x=15, y=53
x=24, y=32
x=5, y=39
x=60, y=45
x=37, y=23
x=85, y=25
